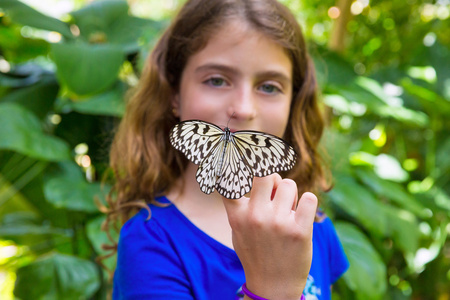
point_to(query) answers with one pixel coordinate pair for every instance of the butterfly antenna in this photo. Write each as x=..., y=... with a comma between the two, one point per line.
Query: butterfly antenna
x=230, y=119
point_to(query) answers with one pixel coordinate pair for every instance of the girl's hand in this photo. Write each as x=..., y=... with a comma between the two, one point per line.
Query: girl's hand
x=273, y=239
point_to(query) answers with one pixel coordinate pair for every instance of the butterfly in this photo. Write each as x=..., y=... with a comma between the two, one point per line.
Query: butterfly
x=227, y=160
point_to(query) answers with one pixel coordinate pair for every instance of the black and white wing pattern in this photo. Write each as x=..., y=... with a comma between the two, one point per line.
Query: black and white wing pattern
x=228, y=161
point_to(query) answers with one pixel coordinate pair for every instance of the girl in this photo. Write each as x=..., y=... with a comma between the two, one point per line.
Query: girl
x=242, y=63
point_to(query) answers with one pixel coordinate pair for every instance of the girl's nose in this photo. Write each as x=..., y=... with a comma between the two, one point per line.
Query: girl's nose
x=243, y=104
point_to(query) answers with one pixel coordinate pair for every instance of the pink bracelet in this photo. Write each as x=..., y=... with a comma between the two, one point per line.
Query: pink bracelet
x=256, y=297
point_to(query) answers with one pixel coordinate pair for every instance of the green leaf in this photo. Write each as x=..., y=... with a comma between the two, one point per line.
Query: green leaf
x=25, y=15
x=78, y=195
x=392, y=191
x=67, y=188
x=364, y=96
x=338, y=147
x=109, y=103
x=12, y=200
x=367, y=273
x=87, y=69
x=441, y=198
x=39, y=97
x=57, y=276
x=440, y=60
x=99, y=15
x=443, y=149
x=26, y=228
x=98, y=238
x=360, y=203
x=388, y=167
x=25, y=75
x=20, y=130
x=405, y=115
x=356, y=95
x=340, y=104
x=404, y=229
x=127, y=32
x=333, y=69
x=432, y=102
x=109, y=22
x=18, y=49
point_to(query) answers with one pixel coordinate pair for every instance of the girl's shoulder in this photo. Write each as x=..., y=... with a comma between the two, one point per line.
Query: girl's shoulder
x=149, y=221
x=327, y=248
x=324, y=228
x=322, y=220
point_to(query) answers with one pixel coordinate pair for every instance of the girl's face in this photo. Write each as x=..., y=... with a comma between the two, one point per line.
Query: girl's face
x=240, y=76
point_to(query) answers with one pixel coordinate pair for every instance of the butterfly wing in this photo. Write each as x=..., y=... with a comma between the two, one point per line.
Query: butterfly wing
x=236, y=176
x=206, y=172
x=195, y=139
x=265, y=153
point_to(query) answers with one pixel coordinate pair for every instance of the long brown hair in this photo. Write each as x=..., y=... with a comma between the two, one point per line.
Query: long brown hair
x=142, y=159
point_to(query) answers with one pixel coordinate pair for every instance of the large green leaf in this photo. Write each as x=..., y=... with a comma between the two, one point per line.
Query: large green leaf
x=356, y=94
x=338, y=147
x=431, y=101
x=18, y=49
x=127, y=32
x=73, y=195
x=332, y=69
x=391, y=190
x=20, y=131
x=99, y=15
x=67, y=188
x=393, y=105
x=360, y=203
x=404, y=115
x=109, y=22
x=57, y=276
x=440, y=197
x=440, y=59
x=23, y=14
x=98, y=238
x=379, y=218
x=361, y=97
x=403, y=228
x=367, y=273
x=38, y=98
x=12, y=200
x=87, y=69
x=21, y=76
x=26, y=228
x=109, y=103
x=443, y=149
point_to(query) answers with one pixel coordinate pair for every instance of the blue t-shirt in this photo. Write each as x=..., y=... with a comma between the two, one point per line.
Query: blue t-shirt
x=168, y=257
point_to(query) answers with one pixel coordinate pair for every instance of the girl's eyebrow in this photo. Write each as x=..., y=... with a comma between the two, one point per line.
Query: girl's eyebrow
x=273, y=74
x=218, y=67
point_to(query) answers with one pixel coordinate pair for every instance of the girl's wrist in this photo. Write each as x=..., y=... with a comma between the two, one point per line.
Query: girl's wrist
x=271, y=294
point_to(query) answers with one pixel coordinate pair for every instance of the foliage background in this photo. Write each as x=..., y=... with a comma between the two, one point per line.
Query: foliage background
x=384, y=69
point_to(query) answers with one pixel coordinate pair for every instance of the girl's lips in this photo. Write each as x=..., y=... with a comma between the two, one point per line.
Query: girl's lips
x=233, y=130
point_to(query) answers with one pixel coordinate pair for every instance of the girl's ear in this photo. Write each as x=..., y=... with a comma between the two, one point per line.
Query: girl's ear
x=176, y=105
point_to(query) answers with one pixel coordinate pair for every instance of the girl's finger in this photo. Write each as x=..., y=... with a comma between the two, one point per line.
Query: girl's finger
x=306, y=210
x=285, y=195
x=233, y=206
x=262, y=188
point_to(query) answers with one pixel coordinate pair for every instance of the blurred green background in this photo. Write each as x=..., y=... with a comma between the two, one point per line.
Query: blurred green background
x=384, y=73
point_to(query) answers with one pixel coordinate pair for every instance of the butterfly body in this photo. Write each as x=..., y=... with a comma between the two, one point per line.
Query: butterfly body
x=228, y=160
x=226, y=140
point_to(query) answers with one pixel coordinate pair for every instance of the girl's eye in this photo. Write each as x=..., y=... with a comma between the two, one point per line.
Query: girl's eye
x=216, y=81
x=269, y=88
